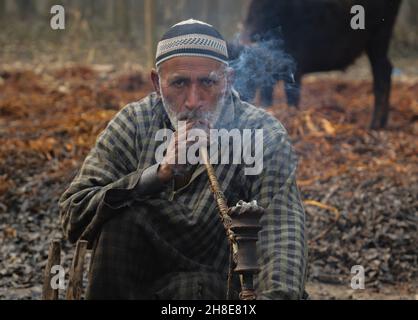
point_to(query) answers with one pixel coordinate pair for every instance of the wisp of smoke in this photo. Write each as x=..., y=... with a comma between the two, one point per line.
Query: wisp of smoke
x=261, y=64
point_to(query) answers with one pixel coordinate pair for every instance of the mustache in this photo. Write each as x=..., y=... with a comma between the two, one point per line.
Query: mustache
x=194, y=115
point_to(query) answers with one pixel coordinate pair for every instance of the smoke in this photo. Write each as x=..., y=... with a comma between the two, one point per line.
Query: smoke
x=261, y=65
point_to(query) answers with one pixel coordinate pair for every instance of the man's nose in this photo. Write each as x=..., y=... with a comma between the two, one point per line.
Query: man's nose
x=193, y=100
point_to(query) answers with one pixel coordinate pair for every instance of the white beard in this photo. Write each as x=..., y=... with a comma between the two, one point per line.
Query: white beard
x=213, y=117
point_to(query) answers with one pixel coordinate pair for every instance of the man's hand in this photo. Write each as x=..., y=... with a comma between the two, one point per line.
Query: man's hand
x=169, y=167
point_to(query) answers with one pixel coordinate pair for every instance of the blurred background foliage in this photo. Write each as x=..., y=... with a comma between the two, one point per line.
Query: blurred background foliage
x=115, y=31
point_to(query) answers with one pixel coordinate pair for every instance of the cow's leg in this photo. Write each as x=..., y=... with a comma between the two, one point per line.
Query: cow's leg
x=377, y=51
x=382, y=70
x=292, y=90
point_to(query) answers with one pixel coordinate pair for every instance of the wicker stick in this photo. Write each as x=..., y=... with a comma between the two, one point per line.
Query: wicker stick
x=54, y=257
x=75, y=285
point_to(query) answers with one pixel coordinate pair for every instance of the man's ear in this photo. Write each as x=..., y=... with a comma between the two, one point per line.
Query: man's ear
x=155, y=78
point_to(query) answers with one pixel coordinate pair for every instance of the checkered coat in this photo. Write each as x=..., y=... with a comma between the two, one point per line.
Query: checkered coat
x=182, y=226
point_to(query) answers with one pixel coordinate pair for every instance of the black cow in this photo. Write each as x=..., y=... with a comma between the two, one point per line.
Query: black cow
x=319, y=37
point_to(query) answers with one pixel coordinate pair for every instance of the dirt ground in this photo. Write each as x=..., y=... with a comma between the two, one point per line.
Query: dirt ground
x=359, y=187
x=317, y=291
x=323, y=291
x=406, y=70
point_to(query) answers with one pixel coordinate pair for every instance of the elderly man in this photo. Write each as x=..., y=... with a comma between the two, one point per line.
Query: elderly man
x=153, y=225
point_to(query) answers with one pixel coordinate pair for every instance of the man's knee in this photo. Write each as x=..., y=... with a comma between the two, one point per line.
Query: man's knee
x=120, y=260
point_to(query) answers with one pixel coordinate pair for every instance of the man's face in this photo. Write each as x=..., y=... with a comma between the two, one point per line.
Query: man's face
x=192, y=87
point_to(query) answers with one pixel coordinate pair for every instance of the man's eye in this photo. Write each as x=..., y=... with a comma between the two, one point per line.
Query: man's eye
x=208, y=82
x=179, y=83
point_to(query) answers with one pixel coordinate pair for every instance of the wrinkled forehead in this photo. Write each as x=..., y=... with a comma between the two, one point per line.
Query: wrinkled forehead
x=192, y=66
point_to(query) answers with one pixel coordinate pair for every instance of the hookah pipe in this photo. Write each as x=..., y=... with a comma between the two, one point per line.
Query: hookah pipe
x=241, y=224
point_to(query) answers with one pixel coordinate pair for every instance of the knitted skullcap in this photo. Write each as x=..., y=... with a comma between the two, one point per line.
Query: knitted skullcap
x=192, y=38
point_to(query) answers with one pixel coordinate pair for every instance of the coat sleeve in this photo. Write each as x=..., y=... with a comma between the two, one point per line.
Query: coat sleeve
x=109, y=179
x=282, y=248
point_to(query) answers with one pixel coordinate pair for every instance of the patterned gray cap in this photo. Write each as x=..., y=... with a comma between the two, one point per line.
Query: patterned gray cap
x=192, y=38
